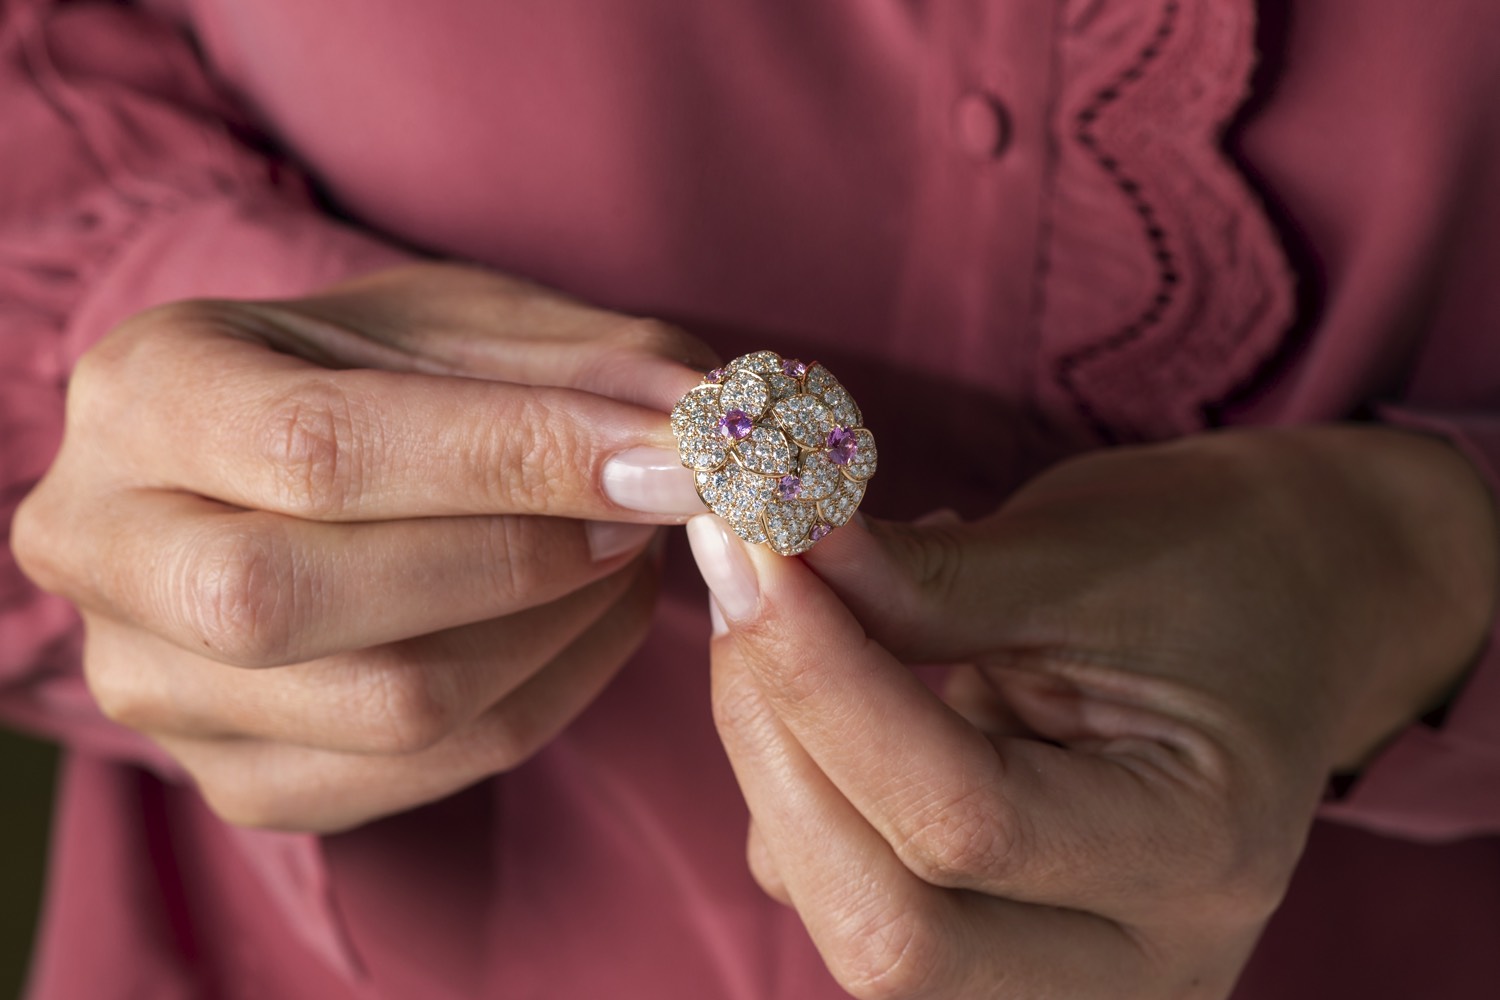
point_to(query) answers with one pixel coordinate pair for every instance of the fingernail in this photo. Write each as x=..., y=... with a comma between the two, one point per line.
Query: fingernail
x=608, y=539
x=651, y=480
x=716, y=617
x=725, y=566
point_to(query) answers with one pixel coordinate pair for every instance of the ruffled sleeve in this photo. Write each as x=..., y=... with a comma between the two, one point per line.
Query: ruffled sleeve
x=126, y=180
x=1440, y=778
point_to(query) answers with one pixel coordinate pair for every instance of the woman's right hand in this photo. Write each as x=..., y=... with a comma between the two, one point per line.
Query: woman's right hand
x=347, y=554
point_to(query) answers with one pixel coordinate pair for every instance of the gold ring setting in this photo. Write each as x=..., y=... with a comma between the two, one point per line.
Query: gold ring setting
x=778, y=449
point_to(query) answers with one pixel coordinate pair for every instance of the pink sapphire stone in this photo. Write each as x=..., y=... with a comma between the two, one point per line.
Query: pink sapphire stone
x=788, y=488
x=819, y=532
x=735, y=425
x=794, y=368
x=842, y=446
x=717, y=375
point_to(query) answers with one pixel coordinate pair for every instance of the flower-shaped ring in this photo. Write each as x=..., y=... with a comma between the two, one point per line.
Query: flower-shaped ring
x=777, y=447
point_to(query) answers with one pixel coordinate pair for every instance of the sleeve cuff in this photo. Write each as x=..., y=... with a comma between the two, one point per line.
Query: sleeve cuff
x=1440, y=781
x=225, y=247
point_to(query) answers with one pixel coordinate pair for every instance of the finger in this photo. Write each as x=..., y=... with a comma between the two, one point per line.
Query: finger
x=395, y=699
x=1014, y=818
x=881, y=576
x=881, y=930
x=940, y=517
x=279, y=786
x=273, y=432
x=928, y=591
x=255, y=589
x=448, y=319
x=970, y=692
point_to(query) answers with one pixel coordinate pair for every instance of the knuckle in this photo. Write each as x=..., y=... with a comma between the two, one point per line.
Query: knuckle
x=938, y=568
x=400, y=711
x=740, y=712
x=36, y=541
x=115, y=690
x=961, y=842
x=790, y=682
x=890, y=955
x=245, y=801
x=92, y=388
x=506, y=736
x=238, y=590
x=518, y=561
x=315, y=439
x=1230, y=865
x=106, y=377
x=266, y=789
x=521, y=464
x=763, y=867
x=513, y=736
x=1245, y=881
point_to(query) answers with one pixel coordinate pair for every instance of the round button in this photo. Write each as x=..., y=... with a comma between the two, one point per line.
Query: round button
x=980, y=125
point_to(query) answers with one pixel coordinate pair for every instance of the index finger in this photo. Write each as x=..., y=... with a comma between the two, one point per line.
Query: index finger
x=227, y=418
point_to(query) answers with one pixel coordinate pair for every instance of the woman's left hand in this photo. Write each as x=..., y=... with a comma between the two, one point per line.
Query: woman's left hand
x=1163, y=653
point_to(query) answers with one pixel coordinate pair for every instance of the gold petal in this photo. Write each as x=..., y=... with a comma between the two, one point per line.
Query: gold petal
x=746, y=391
x=765, y=451
x=805, y=419
x=734, y=494
x=820, y=477
x=838, y=508
x=841, y=404
x=788, y=524
x=695, y=423
x=764, y=362
x=781, y=385
x=862, y=466
x=821, y=383
x=753, y=532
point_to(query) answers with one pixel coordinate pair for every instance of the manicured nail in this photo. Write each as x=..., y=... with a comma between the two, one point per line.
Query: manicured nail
x=725, y=566
x=608, y=539
x=716, y=617
x=651, y=480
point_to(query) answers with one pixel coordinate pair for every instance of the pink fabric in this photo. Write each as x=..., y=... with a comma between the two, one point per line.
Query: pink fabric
x=1093, y=263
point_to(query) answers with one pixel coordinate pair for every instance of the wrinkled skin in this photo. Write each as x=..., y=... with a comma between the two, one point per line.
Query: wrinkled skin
x=344, y=555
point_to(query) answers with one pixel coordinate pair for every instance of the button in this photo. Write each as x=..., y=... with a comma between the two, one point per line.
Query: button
x=981, y=125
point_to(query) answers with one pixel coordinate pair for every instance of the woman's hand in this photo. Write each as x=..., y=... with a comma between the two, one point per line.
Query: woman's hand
x=347, y=554
x=1164, y=653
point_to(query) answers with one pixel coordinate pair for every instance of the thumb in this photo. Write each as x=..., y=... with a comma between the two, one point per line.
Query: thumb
x=933, y=591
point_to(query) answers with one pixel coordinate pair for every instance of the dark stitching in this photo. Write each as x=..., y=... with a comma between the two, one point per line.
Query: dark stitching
x=1167, y=272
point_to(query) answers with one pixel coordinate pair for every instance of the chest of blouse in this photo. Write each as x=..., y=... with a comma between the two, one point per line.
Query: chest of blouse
x=1019, y=210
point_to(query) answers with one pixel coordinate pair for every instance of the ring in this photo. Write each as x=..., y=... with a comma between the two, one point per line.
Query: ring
x=778, y=449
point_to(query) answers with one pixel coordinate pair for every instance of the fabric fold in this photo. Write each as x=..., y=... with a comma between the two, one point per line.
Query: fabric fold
x=129, y=184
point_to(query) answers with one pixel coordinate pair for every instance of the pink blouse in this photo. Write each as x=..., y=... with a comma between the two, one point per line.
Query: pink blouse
x=1061, y=223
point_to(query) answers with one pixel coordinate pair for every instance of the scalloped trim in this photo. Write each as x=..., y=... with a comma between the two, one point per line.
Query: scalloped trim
x=1202, y=292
